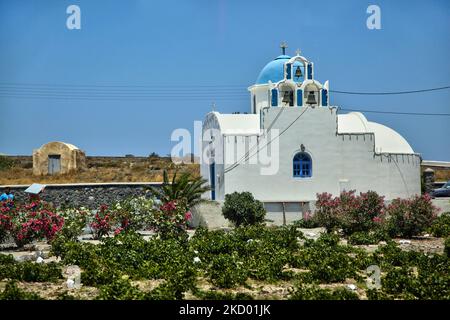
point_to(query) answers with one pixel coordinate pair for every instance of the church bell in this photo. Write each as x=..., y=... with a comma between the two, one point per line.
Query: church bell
x=286, y=97
x=298, y=72
x=311, y=98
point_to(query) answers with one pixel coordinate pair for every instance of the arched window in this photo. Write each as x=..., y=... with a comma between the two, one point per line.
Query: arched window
x=302, y=165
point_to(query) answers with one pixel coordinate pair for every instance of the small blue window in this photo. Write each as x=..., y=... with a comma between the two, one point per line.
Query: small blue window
x=299, y=98
x=302, y=165
x=310, y=71
x=288, y=71
x=274, y=97
x=324, y=97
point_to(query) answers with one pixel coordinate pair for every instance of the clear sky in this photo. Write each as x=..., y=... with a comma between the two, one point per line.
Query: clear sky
x=137, y=70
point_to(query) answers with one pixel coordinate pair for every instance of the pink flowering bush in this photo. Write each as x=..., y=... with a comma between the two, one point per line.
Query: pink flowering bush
x=410, y=217
x=171, y=219
x=350, y=212
x=5, y=218
x=102, y=223
x=34, y=221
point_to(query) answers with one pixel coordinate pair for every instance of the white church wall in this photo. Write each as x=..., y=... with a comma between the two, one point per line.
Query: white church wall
x=338, y=162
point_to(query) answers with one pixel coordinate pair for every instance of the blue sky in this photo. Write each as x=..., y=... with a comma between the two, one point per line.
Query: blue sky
x=211, y=50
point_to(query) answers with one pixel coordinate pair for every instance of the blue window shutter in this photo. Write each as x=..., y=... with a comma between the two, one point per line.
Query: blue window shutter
x=324, y=97
x=309, y=71
x=274, y=97
x=299, y=97
x=288, y=71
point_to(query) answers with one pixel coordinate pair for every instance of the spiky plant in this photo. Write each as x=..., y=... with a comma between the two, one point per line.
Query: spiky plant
x=182, y=187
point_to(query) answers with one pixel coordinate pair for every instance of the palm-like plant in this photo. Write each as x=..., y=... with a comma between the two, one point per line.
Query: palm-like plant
x=183, y=187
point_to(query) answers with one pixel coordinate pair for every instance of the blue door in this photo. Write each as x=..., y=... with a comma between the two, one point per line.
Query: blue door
x=212, y=178
x=54, y=164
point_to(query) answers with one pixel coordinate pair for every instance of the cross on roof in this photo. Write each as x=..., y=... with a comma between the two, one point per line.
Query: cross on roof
x=297, y=52
x=283, y=47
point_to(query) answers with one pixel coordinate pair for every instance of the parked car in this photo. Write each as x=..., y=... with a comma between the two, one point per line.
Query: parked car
x=444, y=191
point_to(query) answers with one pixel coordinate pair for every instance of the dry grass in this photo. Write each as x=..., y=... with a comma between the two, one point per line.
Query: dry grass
x=100, y=169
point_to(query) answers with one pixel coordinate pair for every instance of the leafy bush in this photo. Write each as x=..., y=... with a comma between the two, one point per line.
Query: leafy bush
x=410, y=217
x=326, y=259
x=226, y=271
x=134, y=213
x=120, y=289
x=28, y=271
x=75, y=220
x=308, y=221
x=313, y=292
x=447, y=247
x=441, y=226
x=12, y=292
x=366, y=238
x=103, y=222
x=170, y=221
x=349, y=212
x=243, y=209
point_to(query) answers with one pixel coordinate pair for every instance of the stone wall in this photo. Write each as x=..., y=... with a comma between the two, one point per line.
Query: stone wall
x=89, y=195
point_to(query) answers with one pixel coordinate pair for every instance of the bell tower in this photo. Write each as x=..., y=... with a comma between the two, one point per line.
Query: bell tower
x=288, y=82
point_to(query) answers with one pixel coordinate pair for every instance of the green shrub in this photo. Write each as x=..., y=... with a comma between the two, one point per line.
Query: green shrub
x=314, y=292
x=243, y=209
x=441, y=226
x=75, y=220
x=447, y=247
x=366, y=238
x=327, y=260
x=120, y=289
x=28, y=271
x=225, y=271
x=12, y=292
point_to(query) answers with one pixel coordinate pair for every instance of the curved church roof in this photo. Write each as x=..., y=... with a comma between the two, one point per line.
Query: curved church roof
x=386, y=139
x=274, y=70
x=242, y=124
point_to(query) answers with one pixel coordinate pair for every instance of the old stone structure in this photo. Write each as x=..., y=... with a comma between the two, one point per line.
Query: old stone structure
x=57, y=157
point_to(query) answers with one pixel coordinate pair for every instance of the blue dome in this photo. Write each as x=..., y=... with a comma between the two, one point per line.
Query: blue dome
x=274, y=70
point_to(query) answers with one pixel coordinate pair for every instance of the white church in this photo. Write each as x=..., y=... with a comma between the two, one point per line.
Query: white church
x=294, y=144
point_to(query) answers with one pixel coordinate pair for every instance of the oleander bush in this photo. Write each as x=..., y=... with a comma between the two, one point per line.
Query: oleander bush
x=349, y=212
x=26, y=223
x=242, y=208
x=410, y=217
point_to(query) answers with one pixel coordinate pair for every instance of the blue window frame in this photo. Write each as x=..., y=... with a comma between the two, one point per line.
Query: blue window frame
x=302, y=165
x=274, y=97
x=324, y=97
x=288, y=71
